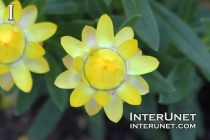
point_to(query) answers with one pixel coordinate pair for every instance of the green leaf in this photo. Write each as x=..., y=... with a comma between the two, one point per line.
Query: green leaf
x=45, y=121
x=131, y=22
x=58, y=96
x=7, y=2
x=96, y=8
x=183, y=78
x=97, y=126
x=170, y=4
x=187, y=8
x=62, y=7
x=25, y=100
x=146, y=28
x=74, y=28
x=182, y=134
x=165, y=60
x=108, y=2
x=187, y=106
x=93, y=9
x=130, y=7
x=104, y=7
x=206, y=24
x=183, y=37
x=117, y=22
x=158, y=83
x=206, y=75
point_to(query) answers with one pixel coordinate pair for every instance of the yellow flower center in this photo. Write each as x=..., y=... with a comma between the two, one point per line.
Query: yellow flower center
x=12, y=43
x=105, y=69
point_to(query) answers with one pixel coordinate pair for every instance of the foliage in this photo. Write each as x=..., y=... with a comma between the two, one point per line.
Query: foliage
x=176, y=32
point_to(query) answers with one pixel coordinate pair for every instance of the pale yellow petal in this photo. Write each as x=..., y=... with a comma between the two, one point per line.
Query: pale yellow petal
x=139, y=83
x=142, y=64
x=6, y=81
x=40, y=31
x=2, y=9
x=73, y=46
x=128, y=93
x=21, y=76
x=124, y=34
x=68, y=79
x=78, y=63
x=109, y=55
x=105, y=32
x=102, y=97
x=37, y=65
x=68, y=61
x=138, y=53
x=81, y=95
x=17, y=12
x=34, y=50
x=92, y=107
x=29, y=16
x=4, y=68
x=128, y=48
x=114, y=108
x=89, y=36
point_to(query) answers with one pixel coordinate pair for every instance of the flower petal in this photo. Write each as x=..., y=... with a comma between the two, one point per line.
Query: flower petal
x=78, y=63
x=4, y=68
x=138, y=53
x=2, y=9
x=102, y=97
x=29, y=16
x=109, y=55
x=6, y=82
x=114, y=108
x=84, y=79
x=81, y=95
x=105, y=32
x=128, y=48
x=142, y=64
x=128, y=93
x=37, y=65
x=68, y=79
x=139, y=83
x=17, y=12
x=73, y=46
x=68, y=61
x=40, y=31
x=21, y=76
x=89, y=36
x=34, y=50
x=124, y=34
x=92, y=107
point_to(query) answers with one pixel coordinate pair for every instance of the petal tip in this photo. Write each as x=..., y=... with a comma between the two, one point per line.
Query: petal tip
x=115, y=120
x=74, y=104
x=64, y=38
x=105, y=16
x=53, y=27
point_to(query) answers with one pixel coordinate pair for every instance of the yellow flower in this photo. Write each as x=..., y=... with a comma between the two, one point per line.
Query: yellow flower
x=20, y=51
x=104, y=70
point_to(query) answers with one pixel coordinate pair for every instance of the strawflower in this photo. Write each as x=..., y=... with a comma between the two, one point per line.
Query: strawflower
x=20, y=49
x=104, y=70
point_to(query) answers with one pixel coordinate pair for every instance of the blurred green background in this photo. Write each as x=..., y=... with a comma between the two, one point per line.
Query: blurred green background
x=176, y=32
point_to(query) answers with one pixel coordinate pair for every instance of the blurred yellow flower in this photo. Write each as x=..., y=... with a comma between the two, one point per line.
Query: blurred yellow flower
x=20, y=51
x=104, y=70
